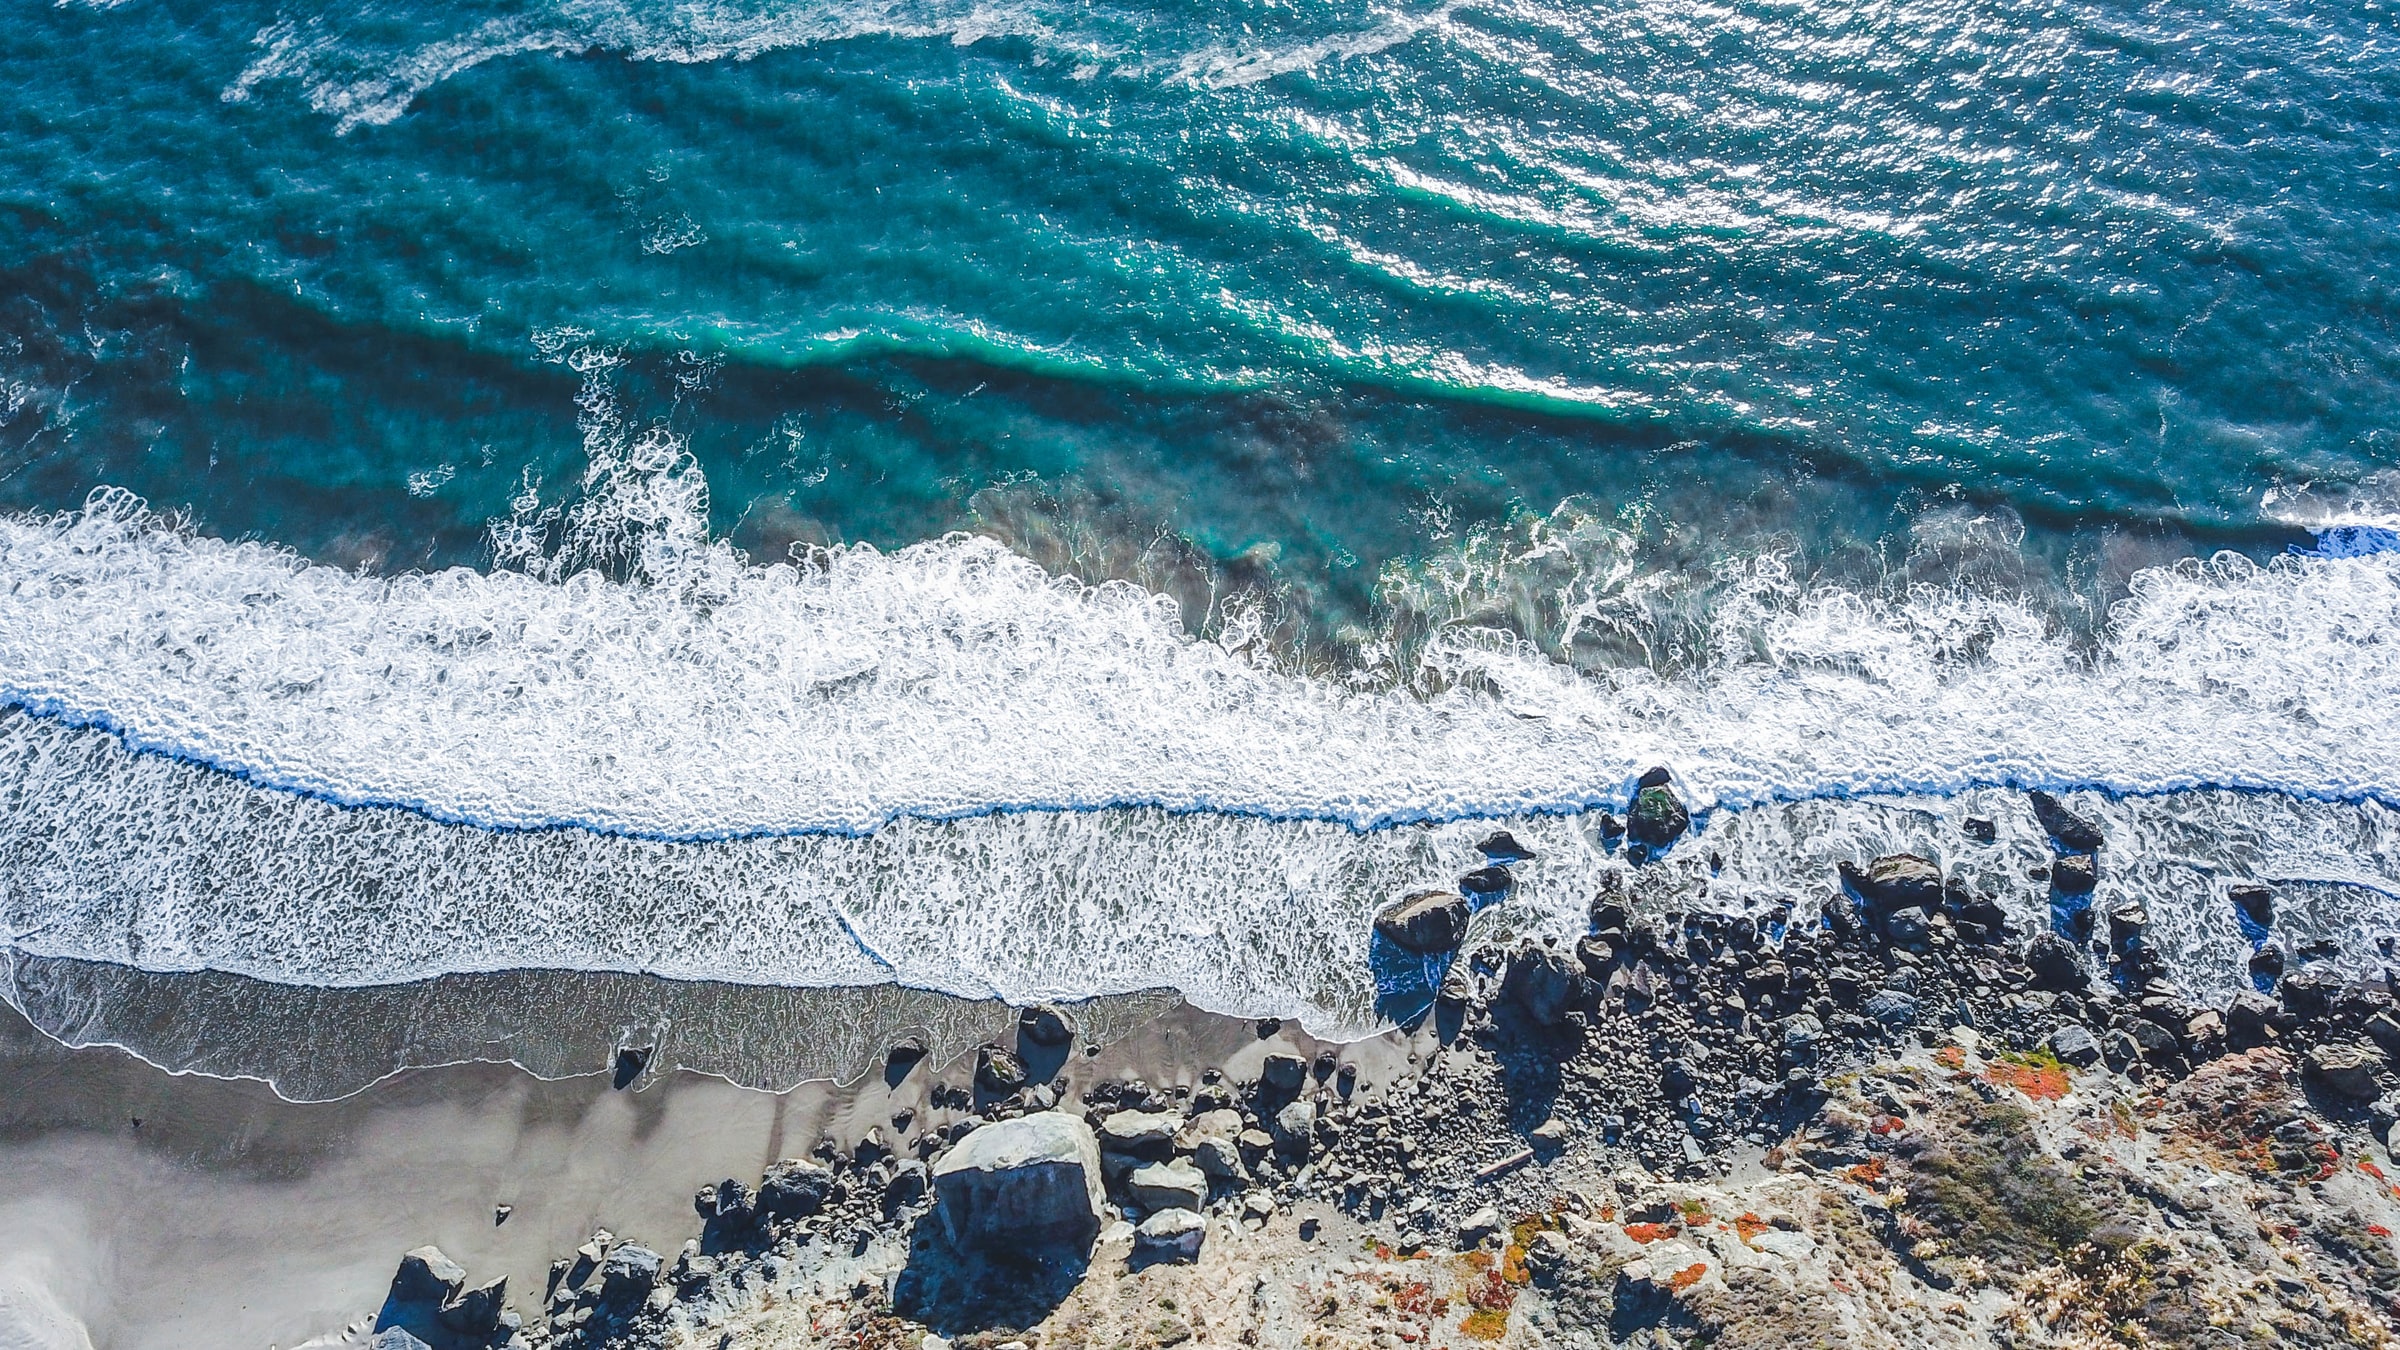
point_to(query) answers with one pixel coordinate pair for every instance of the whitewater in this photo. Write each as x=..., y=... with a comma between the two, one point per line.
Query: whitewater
x=944, y=767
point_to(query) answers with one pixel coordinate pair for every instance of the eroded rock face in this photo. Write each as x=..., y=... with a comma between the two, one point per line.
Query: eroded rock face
x=1026, y=1183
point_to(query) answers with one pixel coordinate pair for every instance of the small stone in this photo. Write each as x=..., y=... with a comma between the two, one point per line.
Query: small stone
x=1171, y=1235
x=1551, y=1133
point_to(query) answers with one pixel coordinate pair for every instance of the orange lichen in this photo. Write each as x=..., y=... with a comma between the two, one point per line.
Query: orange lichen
x=1419, y=1300
x=1650, y=1232
x=1750, y=1226
x=1694, y=1212
x=2039, y=1075
x=1866, y=1173
x=1512, y=1265
x=1687, y=1277
x=2379, y=1230
x=2370, y=1169
x=1950, y=1057
x=1485, y=1324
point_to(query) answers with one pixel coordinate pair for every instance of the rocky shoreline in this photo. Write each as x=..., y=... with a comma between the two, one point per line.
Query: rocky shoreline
x=1900, y=1121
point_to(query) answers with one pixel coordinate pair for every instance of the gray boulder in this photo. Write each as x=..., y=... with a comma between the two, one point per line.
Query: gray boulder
x=1171, y=1235
x=1427, y=923
x=1139, y=1134
x=2075, y=1044
x=396, y=1338
x=2348, y=1070
x=794, y=1189
x=1029, y=1182
x=629, y=1274
x=1892, y=1007
x=1895, y=881
x=426, y=1276
x=1167, y=1185
x=1295, y=1128
x=1544, y=983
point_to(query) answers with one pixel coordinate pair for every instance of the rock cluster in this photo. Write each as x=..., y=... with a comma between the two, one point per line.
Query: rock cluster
x=1924, y=1082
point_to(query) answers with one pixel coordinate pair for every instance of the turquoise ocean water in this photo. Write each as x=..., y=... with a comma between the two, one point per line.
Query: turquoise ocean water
x=1051, y=498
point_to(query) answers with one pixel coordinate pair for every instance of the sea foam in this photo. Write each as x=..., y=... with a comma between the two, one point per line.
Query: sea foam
x=719, y=700
x=945, y=768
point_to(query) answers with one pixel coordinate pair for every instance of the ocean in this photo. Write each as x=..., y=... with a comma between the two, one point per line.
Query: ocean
x=1043, y=500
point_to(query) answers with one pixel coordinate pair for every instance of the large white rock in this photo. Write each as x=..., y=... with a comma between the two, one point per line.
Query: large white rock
x=1171, y=1234
x=1029, y=1182
x=1168, y=1185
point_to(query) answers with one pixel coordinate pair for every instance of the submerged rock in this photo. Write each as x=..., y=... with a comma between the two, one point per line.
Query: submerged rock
x=2253, y=902
x=1657, y=817
x=2075, y=874
x=2073, y=831
x=1503, y=848
x=1427, y=923
x=1024, y=1183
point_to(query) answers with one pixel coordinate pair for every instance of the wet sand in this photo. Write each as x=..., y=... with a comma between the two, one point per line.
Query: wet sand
x=151, y=1209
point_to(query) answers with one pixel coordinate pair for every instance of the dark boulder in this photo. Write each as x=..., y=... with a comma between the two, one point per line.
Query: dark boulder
x=630, y=1061
x=1045, y=1025
x=1657, y=817
x=1427, y=923
x=794, y=1189
x=1981, y=829
x=2346, y=1070
x=2075, y=874
x=1595, y=955
x=427, y=1277
x=2266, y=964
x=1675, y=1078
x=2312, y=990
x=2055, y=964
x=1908, y=927
x=1544, y=984
x=2253, y=1019
x=1487, y=881
x=1504, y=849
x=2071, y=829
x=1895, y=881
x=1655, y=776
x=2253, y=902
x=476, y=1311
x=1283, y=1073
x=1892, y=1007
x=998, y=1072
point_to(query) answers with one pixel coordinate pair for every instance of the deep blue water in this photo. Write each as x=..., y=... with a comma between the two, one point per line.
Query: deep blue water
x=1286, y=275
